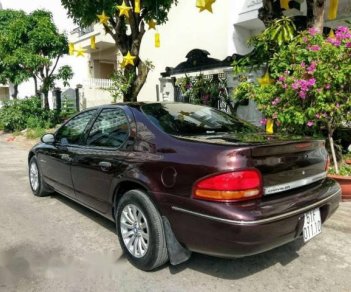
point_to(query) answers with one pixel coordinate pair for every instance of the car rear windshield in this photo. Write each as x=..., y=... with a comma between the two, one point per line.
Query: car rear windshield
x=189, y=119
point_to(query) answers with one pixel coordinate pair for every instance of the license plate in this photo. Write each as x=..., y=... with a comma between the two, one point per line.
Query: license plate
x=312, y=225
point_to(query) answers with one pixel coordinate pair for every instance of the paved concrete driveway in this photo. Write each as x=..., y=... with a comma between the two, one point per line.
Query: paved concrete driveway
x=53, y=244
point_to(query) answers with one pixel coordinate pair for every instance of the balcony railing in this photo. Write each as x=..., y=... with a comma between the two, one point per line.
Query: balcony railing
x=98, y=83
x=83, y=30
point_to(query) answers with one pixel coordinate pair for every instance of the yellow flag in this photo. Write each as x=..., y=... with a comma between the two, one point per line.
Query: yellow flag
x=269, y=126
x=92, y=43
x=137, y=6
x=332, y=34
x=157, y=40
x=333, y=9
x=71, y=49
x=284, y=4
x=265, y=80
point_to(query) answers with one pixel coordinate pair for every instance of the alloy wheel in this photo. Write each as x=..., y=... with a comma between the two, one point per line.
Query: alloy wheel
x=134, y=230
x=34, y=176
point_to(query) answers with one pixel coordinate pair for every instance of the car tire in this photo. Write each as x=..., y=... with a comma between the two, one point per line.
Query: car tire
x=36, y=182
x=140, y=231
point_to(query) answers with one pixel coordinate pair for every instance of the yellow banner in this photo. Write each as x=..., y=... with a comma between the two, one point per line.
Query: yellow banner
x=157, y=40
x=333, y=9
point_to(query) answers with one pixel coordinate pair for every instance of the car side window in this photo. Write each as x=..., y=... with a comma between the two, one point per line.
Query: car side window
x=111, y=129
x=71, y=132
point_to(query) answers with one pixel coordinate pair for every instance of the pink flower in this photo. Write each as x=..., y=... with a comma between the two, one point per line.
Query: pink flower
x=342, y=33
x=327, y=86
x=263, y=122
x=302, y=94
x=310, y=124
x=312, y=68
x=303, y=65
x=334, y=41
x=337, y=105
x=295, y=85
x=318, y=116
x=348, y=45
x=281, y=78
x=311, y=82
x=312, y=31
x=276, y=101
x=314, y=48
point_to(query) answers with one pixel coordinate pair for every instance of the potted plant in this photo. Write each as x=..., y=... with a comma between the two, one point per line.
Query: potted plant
x=343, y=178
x=347, y=158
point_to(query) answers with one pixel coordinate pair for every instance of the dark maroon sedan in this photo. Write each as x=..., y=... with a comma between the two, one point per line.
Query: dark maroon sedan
x=178, y=178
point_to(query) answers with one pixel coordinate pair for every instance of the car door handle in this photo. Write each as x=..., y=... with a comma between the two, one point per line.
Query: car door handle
x=104, y=165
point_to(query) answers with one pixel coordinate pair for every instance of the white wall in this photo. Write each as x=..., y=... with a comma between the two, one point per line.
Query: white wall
x=64, y=24
x=188, y=29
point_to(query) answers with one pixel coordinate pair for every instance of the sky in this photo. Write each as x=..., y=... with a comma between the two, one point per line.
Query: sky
x=59, y=13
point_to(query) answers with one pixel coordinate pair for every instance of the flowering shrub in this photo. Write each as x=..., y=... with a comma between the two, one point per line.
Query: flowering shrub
x=311, y=92
x=312, y=88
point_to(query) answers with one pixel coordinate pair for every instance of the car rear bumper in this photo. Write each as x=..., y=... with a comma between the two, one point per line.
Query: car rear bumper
x=237, y=237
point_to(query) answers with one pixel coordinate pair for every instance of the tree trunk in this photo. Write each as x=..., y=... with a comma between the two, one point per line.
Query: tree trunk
x=46, y=99
x=140, y=74
x=310, y=12
x=318, y=12
x=35, y=85
x=270, y=10
x=138, y=84
x=15, y=91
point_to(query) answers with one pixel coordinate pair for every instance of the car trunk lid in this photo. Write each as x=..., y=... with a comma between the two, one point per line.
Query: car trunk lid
x=285, y=162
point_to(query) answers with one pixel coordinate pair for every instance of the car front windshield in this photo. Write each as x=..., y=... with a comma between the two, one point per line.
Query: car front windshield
x=189, y=119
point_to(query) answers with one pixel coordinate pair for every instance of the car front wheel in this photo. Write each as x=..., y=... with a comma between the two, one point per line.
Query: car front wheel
x=38, y=186
x=140, y=231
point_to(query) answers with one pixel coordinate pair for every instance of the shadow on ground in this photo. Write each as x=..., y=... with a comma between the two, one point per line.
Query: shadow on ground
x=221, y=268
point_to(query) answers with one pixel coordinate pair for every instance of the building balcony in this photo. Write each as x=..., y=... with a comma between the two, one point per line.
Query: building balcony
x=81, y=37
x=97, y=83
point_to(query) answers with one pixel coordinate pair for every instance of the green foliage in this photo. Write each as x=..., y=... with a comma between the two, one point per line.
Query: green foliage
x=344, y=170
x=13, y=29
x=30, y=46
x=65, y=73
x=312, y=91
x=35, y=133
x=17, y=115
x=84, y=12
x=201, y=90
x=121, y=82
x=68, y=108
x=278, y=34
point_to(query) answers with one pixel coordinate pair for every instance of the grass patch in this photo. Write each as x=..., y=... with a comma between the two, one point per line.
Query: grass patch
x=35, y=133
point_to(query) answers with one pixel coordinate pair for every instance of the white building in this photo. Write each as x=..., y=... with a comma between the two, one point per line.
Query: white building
x=222, y=34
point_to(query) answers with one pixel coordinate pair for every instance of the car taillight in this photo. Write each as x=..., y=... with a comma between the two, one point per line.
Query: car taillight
x=230, y=186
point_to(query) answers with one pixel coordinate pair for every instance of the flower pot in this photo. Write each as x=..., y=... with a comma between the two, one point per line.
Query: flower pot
x=348, y=161
x=345, y=183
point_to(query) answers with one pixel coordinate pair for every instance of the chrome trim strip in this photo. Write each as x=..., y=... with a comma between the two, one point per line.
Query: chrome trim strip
x=262, y=221
x=294, y=184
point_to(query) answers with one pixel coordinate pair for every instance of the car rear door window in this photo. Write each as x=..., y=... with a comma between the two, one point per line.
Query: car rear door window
x=72, y=131
x=111, y=129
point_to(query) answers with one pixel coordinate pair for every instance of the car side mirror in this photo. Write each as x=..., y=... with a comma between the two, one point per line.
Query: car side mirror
x=48, y=139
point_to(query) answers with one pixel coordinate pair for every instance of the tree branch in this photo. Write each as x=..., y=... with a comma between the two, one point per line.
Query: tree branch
x=53, y=69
